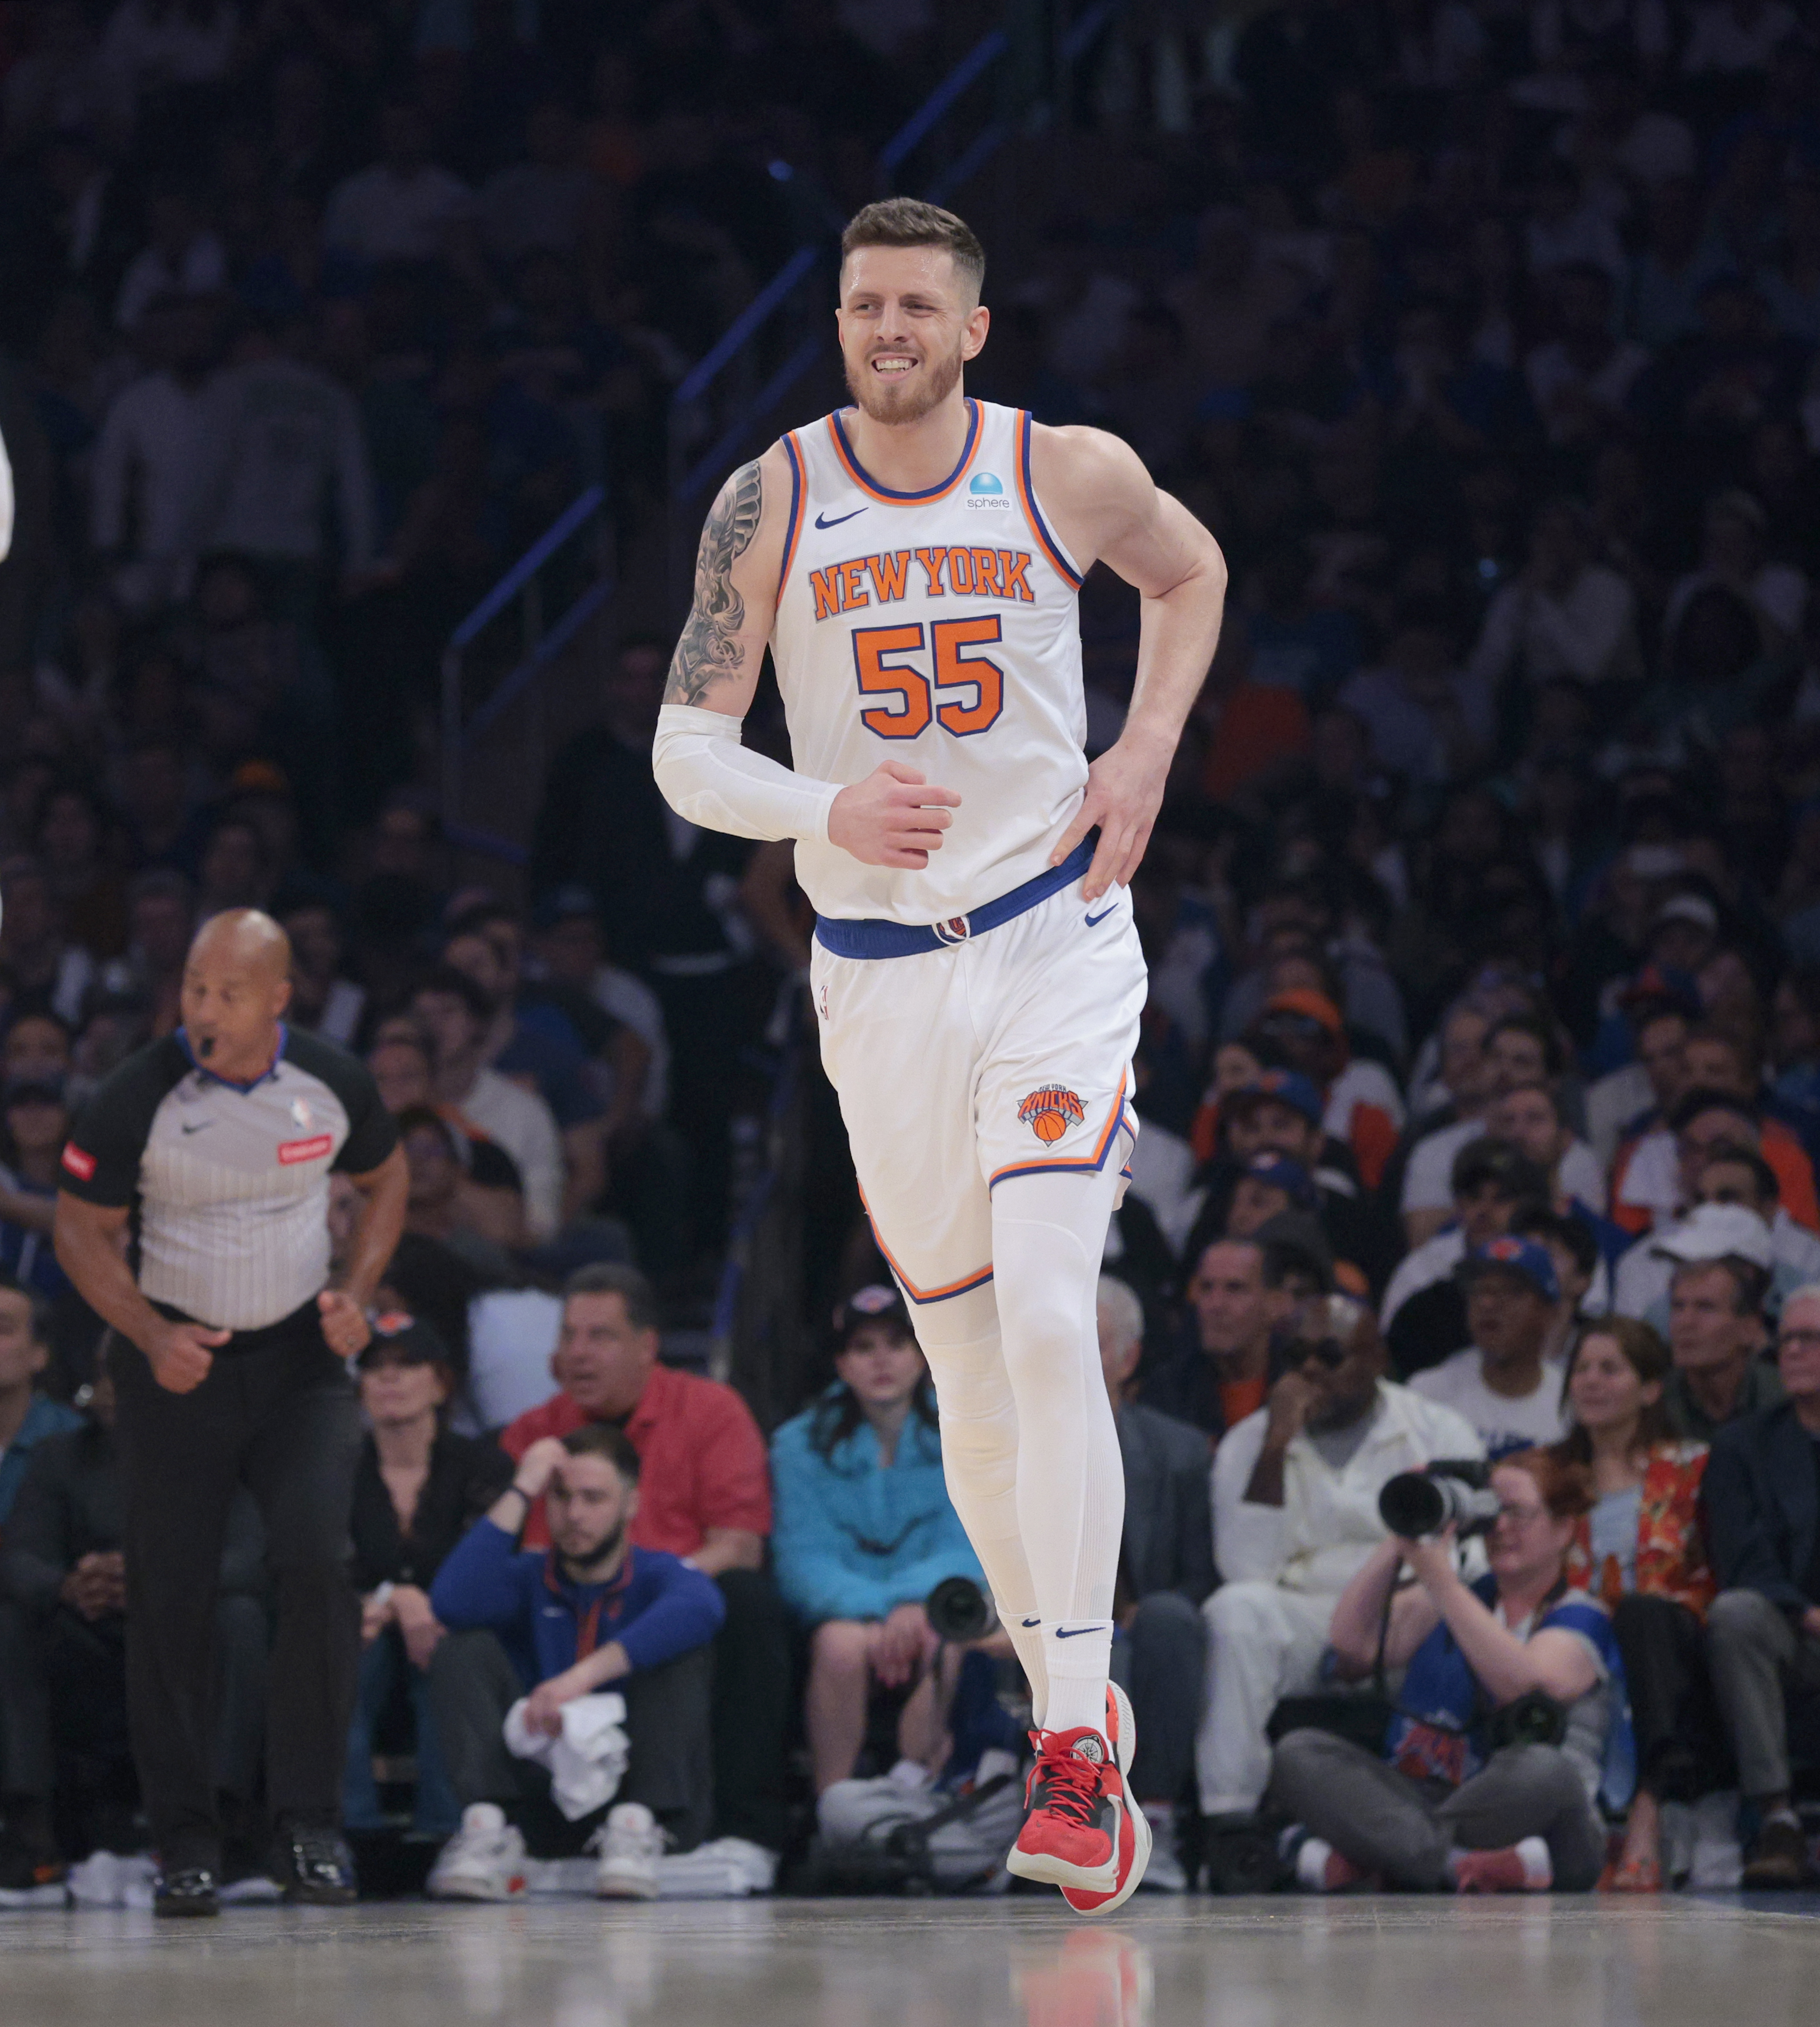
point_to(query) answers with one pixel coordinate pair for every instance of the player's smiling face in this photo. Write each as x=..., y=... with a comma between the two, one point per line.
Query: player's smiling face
x=908, y=324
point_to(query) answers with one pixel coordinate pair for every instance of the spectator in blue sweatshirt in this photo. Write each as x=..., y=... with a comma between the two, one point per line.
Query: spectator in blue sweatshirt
x=590, y=1613
x=864, y=1532
x=27, y=1416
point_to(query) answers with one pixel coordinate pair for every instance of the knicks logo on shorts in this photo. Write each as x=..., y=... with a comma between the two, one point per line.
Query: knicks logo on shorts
x=1049, y=1112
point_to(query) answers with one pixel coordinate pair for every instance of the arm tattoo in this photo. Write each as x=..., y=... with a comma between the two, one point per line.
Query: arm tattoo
x=709, y=651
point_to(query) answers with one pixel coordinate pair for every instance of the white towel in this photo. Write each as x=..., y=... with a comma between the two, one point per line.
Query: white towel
x=587, y=1761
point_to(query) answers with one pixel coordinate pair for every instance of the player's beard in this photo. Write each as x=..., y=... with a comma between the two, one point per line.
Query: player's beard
x=884, y=401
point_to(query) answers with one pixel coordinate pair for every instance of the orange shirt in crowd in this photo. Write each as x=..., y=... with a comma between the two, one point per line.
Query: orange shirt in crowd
x=702, y=1461
x=1781, y=1149
x=1240, y=1397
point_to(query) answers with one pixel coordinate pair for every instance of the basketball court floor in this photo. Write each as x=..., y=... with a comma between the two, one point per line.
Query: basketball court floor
x=1680, y=1962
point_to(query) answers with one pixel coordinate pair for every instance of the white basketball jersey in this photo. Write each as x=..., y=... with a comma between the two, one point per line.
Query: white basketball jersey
x=939, y=629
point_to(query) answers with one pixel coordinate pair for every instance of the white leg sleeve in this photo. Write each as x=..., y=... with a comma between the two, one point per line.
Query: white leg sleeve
x=960, y=1339
x=1048, y=1237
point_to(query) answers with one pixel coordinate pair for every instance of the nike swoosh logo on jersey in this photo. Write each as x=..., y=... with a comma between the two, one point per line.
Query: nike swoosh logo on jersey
x=198, y=1127
x=822, y=521
x=1093, y=920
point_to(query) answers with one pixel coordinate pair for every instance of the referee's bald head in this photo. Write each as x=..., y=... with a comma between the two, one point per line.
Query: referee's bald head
x=236, y=987
x=246, y=939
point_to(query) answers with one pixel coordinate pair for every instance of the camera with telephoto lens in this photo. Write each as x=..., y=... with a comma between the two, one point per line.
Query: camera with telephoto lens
x=959, y=1612
x=1452, y=1491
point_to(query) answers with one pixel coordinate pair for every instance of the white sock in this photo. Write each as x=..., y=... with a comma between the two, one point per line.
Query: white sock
x=960, y=1338
x=1538, y=1867
x=1311, y=1864
x=1078, y=1653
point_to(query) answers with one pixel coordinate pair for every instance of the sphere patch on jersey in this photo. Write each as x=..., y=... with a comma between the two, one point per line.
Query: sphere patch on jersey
x=1049, y=1112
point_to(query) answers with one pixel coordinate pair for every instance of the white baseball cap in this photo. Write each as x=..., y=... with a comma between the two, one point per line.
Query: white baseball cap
x=1717, y=1232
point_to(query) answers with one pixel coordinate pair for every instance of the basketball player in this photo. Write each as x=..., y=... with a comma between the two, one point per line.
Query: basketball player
x=912, y=563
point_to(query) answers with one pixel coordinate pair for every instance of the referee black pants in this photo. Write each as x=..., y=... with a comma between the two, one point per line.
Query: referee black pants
x=278, y=1413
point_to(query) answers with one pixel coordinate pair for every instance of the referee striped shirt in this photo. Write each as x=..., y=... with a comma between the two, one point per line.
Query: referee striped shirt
x=228, y=1184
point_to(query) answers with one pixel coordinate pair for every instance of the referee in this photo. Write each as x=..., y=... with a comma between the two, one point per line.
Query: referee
x=192, y=1215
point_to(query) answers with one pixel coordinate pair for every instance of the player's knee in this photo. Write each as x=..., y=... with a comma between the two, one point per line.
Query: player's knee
x=1045, y=1315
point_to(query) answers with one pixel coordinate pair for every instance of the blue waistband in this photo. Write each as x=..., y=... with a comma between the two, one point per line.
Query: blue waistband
x=874, y=939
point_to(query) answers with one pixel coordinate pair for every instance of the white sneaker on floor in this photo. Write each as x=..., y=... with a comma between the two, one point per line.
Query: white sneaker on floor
x=1164, y=1873
x=485, y=1859
x=1717, y=1863
x=755, y=1867
x=629, y=1844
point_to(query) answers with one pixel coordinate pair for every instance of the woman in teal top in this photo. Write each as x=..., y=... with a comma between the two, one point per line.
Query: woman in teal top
x=864, y=1532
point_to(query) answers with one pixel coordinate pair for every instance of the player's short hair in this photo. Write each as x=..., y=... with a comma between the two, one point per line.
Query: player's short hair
x=907, y=221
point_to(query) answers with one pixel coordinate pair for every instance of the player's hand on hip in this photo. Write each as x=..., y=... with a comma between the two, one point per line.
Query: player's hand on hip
x=893, y=817
x=345, y=1329
x=182, y=1354
x=1124, y=791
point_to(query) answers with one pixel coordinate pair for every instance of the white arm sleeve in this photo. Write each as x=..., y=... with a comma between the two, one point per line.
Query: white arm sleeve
x=707, y=776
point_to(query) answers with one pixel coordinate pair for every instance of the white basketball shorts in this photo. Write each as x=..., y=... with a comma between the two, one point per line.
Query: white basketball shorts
x=1004, y=1054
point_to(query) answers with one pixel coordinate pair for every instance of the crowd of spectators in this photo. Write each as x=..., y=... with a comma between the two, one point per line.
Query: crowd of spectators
x=1479, y=1081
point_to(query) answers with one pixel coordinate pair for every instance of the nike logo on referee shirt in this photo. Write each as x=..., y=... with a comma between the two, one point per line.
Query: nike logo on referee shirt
x=198, y=1126
x=822, y=521
x=1093, y=920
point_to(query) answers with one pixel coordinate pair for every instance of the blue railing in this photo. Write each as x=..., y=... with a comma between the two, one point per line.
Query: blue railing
x=524, y=585
x=691, y=477
x=576, y=515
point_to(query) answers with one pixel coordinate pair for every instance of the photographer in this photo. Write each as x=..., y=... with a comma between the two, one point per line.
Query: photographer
x=1296, y=1488
x=1468, y=1797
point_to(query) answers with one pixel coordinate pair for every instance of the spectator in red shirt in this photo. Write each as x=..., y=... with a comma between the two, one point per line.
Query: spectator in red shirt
x=705, y=1494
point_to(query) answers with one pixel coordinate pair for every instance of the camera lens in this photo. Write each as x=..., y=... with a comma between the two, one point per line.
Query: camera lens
x=1412, y=1504
x=958, y=1610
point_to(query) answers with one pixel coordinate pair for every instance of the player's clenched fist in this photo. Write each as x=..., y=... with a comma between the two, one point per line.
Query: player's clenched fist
x=893, y=817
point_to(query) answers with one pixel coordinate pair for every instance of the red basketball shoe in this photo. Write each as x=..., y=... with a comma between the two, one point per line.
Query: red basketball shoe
x=1133, y=1854
x=1072, y=1805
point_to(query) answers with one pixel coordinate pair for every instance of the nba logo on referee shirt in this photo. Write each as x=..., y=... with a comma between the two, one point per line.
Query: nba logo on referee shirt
x=987, y=489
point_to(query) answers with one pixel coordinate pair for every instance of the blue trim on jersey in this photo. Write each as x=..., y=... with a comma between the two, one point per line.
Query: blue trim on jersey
x=1052, y=548
x=928, y=492
x=844, y=937
x=793, y=526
